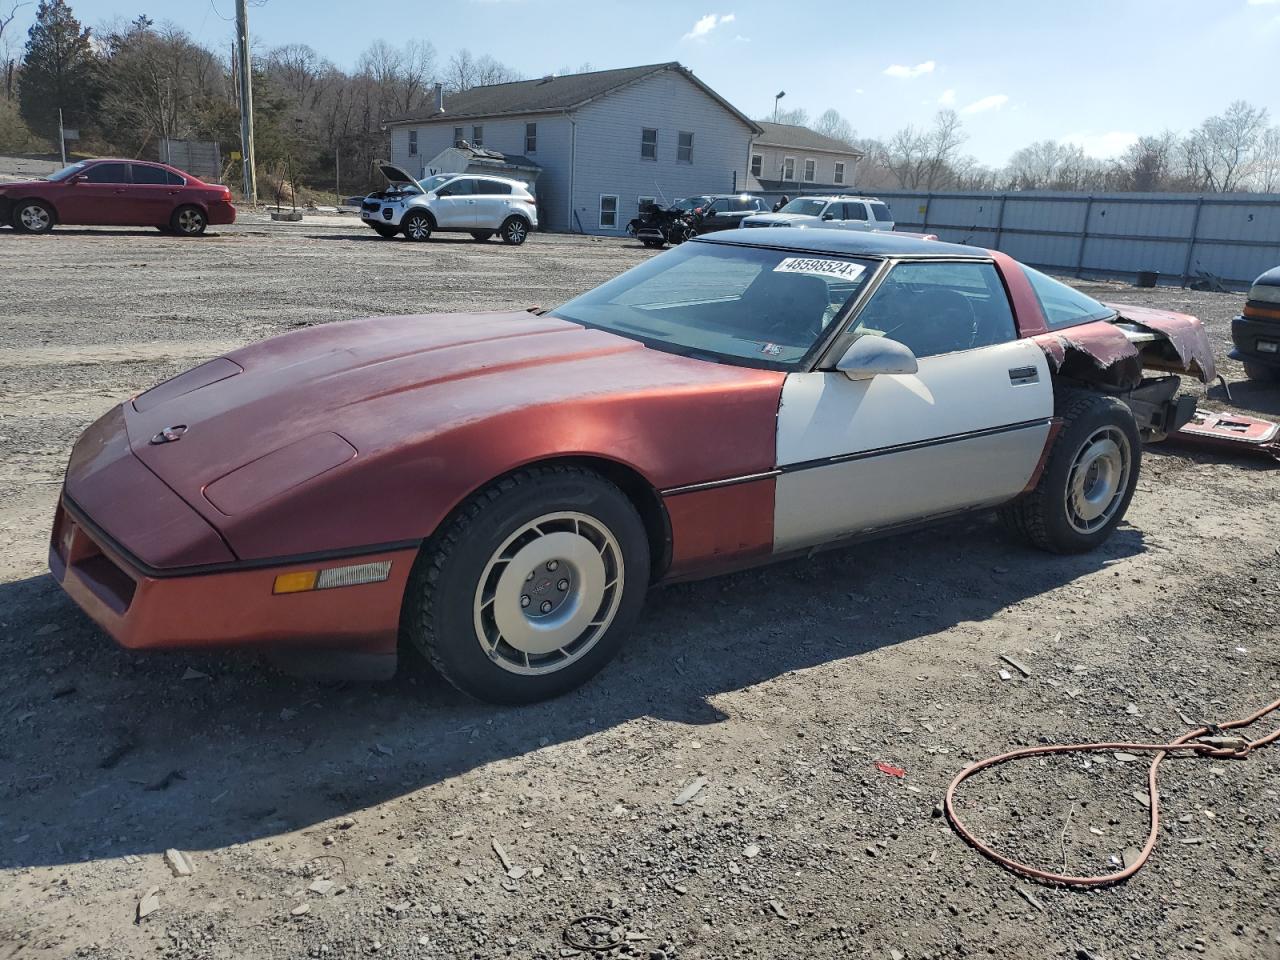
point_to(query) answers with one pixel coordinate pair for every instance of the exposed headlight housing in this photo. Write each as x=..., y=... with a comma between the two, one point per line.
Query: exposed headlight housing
x=1264, y=293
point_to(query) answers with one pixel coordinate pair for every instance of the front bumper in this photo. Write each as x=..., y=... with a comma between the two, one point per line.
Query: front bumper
x=385, y=214
x=1256, y=340
x=226, y=605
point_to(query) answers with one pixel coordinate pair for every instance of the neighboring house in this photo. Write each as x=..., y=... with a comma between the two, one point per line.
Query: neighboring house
x=796, y=159
x=606, y=141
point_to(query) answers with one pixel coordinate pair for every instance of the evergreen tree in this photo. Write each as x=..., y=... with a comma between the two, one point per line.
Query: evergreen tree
x=60, y=69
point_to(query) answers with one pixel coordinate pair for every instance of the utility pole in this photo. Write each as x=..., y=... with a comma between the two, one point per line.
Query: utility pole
x=246, y=102
x=62, y=138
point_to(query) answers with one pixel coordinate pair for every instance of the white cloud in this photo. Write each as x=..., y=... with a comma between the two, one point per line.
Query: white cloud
x=948, y=98
x=706, y=24
x=909, y=73
x=1104, y=146
x=993, y=102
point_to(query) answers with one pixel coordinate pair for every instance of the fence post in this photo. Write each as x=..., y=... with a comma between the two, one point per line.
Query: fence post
x=1004, y=198
x=1084, y=236
x=928, y=199
x=1191, y=242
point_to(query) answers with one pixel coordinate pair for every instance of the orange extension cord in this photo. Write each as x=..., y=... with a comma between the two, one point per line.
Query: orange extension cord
x=1210, y=742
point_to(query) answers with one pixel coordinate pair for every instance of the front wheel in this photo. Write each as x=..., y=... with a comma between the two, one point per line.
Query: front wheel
x=417, y=227
x=385, y=231
x=532, y=587
x=33, y=216
x=188, y=221
x=1262, y=372
x=514, y=231
x=1088, y=479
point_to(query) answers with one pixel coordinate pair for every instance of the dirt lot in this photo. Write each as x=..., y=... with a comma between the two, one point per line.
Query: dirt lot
x=780, y=686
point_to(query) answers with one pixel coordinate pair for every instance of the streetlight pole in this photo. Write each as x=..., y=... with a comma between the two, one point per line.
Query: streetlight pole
x=246, y=103
x=779, y=96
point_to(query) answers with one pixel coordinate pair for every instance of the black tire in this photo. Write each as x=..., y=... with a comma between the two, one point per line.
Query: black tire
x=188, y=221
x=480, y=236
x=384, y=230
x=1261, y=372
x=417, y=227
x=1045, y=517
x=514, y=231
x=656, y=244
x=33, y=216
x=441, y=606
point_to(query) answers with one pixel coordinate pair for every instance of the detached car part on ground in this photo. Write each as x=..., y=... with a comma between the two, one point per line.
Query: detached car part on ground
x=499, y=491
x=116, y=193
x=1256, y=332
x=451, y=203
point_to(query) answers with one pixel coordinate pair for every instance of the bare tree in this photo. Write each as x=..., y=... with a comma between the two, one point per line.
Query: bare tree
x=943, y=145
x=832, y=124
x=466, y=71
x=798, y=117
x=1266, y=162
x=1217, y=153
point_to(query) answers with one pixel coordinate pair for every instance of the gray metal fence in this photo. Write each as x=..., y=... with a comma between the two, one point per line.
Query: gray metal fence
x=1231, y=236
x=200, y=158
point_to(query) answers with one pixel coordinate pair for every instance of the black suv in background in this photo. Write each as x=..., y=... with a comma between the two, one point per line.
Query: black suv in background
x=691, y=216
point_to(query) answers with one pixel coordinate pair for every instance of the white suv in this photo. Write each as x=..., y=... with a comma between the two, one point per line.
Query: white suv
x=831, y=213
x=451, y=202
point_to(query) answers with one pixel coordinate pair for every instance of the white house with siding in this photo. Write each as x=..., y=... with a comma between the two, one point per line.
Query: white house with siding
x=606, y=141
x=795, y=160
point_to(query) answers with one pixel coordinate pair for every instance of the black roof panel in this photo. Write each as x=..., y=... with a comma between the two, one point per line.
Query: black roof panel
x=867, y=243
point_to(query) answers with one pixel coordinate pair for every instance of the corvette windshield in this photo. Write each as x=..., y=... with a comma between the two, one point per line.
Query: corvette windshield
x=744, y=304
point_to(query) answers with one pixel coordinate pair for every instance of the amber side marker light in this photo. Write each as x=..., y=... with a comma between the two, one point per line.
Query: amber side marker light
x=302, y=581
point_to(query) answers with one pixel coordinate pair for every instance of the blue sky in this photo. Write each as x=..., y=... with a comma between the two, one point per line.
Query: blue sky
x=1096, y=72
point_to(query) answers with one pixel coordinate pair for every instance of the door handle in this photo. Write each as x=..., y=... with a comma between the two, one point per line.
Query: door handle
x=1020, y=375
x=120, y=190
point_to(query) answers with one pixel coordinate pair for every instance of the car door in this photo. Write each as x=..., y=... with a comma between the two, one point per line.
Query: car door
x=715, y=216
x=98, y=196
x=493, y=202
x=856, y=216
x=455, y=205
x=966, y=430
x=833, y=216
x=152, y=195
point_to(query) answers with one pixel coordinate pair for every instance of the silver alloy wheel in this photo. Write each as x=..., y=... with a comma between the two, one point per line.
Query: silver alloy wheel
x=1098, y=479
x=35, y=218
x=190, y=221
x=418, y=228
x=549, y=593
x=516, y=230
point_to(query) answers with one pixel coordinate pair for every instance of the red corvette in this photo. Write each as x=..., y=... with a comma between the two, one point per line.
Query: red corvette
x=499, y=490
x=116, y=193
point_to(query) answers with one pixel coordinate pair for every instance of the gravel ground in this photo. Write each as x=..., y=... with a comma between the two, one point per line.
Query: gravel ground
x=358, y=821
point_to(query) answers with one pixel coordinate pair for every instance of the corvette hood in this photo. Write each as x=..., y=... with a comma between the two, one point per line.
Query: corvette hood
x=242, y=430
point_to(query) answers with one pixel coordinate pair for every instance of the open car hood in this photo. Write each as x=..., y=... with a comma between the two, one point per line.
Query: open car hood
x=395, y=175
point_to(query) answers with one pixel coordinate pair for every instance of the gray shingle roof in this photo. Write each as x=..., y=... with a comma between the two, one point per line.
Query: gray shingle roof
x=548, y=94
x=802, y=138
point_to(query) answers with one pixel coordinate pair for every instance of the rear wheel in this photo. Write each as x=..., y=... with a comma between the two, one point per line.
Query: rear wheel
x=33, y=216
x=514, y=230
x=480, y=236
x=531, y=588
x=384, y=230
x=1088, y=479
x=188, y=221
x=417, y=227
x=1260, y=371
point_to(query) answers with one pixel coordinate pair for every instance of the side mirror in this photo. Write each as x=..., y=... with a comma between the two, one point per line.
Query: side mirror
x=828, y=216
x=78, y=178
x=871, y=356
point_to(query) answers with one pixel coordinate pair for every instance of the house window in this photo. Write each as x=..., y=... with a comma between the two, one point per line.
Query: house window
x=648, y=144
x=477, y=136
x=788, y=168
x=810, y=169
x=457, y=136
x=608, y=212
x=684, y=150
x=757, y=165
x=413, y=143
x=530, y=138
x=839, y=177
x=642, y=202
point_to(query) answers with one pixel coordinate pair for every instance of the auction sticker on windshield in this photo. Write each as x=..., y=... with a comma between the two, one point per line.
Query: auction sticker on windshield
x=823, y=268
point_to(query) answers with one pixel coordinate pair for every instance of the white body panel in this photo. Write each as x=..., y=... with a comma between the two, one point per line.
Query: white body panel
x=861, y=455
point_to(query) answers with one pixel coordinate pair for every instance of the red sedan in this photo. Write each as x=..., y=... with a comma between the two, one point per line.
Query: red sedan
x=116, y=193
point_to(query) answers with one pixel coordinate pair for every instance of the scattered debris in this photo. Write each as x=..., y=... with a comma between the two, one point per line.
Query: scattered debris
x=1016, y=665
x=148, y=905
x=116, y=755
x=1123, y=757
x=502, y=855
x=321, y=886
x=751, y=851
x=776, y=907
x=178, y=862
x=192, y=673
x=593, y=932
x=382, y=749
x=1005, y=674
x=300, y=909
x=689, y=792
x=1142, y=797
x=1130, y=856
x=165, y=782
x=1030, y=897
x=890, y=770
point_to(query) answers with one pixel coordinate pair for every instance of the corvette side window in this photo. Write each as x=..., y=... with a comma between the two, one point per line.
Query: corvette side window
x=939, y=307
